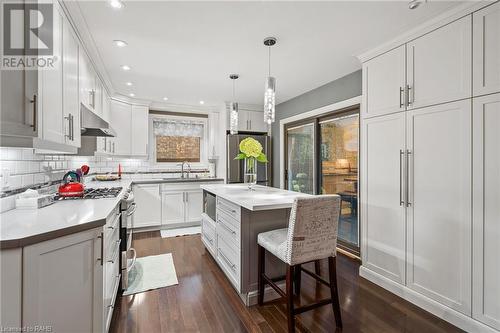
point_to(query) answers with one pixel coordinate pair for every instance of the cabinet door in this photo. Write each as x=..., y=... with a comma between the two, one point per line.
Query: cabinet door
x=71, y=104
x=85, y=78
x=243, y=124
x=173, y=207
x=106, y=106
x=486, y=37
x=384, y=82
x=98, y=96
x=11, y=287
x=52, y=117
x=63, y=283
x=439, y=65
x=256, y=121
x=486, y=180
x=194, y=205
x=383, y=215
x=121, y=116
x=148, y=201
x=139, y=130
x=439, y=213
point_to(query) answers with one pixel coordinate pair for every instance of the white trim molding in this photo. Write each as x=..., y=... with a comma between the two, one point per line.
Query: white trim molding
x=312, y=113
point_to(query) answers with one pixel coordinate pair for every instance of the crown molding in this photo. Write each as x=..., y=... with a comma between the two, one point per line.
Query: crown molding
x=447, y=17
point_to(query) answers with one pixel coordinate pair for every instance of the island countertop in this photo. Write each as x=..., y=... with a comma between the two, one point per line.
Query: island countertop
x=260, y=198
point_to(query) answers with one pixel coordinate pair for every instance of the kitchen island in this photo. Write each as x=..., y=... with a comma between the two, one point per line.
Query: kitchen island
x=233, y=217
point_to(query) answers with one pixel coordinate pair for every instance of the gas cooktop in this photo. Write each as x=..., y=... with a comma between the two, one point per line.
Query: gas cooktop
x=94, y=193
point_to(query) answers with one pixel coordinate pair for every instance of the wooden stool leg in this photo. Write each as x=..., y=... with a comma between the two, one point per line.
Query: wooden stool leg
x=332, y=267
x=317, y=267
x=289, y=298
x=260, y=271
x=298, y=279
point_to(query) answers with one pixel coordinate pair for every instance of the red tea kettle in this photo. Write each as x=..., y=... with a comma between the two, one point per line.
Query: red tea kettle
x=72, y=186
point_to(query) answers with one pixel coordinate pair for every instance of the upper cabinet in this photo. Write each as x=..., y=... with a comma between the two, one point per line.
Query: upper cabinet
x=432, y=69
x=130, y=123
x=486, y=51
x=439, y=65
x=384, y=79
x=249, y=121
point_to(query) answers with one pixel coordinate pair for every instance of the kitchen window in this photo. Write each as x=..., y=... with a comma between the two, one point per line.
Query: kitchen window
x=177, y=139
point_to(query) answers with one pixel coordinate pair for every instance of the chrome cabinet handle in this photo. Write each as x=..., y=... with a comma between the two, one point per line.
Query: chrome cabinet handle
x=34, y=102
x=401, y=97
x=408, y=154
x=401, y=156
x=69, y=126
x=233, y=266
x=408, y=99
x=72, y=127
x=101, y=259
x=113, y=147
x=226, y=227
x=134, y=207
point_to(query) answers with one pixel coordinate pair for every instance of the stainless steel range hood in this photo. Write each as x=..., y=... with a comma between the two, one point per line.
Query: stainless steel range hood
x=93, y=125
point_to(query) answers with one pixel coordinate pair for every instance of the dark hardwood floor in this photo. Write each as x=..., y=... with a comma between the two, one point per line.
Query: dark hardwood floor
x=204, y=300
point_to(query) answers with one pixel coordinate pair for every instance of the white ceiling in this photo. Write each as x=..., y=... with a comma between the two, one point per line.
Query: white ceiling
x=186, y=50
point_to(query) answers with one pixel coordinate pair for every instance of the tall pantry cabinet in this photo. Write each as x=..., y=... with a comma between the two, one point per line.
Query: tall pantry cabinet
x=429, y=168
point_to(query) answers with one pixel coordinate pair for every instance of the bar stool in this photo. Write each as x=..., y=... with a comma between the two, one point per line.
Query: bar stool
x=311, y=235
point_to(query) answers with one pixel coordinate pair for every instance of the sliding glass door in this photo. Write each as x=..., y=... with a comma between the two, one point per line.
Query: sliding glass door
x=322, y=158
x=301, y=158
x=339, y=171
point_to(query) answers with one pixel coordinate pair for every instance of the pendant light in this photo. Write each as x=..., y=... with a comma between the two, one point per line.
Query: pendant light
x=270, y=92
x=233, y=109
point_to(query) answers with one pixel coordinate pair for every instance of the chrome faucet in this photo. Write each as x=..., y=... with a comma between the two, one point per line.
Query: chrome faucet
x=188, y=170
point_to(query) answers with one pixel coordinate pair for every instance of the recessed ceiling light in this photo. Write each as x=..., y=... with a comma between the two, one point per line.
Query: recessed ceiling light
x=120, y=43
x=165, y=98
x=125, y=67
x=131, y=94
x=129, y=83
x=202, y=102
x=117, y=4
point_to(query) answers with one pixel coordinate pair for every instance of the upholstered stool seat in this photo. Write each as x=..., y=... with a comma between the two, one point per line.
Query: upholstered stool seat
x=310, y=236
x=274, y=241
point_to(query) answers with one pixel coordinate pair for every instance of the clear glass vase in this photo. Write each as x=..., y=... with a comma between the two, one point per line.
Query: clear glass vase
x=250, y=172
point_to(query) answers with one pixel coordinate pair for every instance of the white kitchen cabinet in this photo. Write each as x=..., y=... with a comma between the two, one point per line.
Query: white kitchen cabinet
x=149, y=205
x=486, y=212
x=486, y=50
x=121, y=117
x=51, y=89
x=139, y=130
x=173, y=207
x=63, y=283
x=439, y=65
x=250, y=121
x=98, y=96
x=439, y=203
x=86, y=80
x=106, y=106
x=11, y=287
x=70, y=98
x=384, y=80
x=194, y=205
x=383, y=218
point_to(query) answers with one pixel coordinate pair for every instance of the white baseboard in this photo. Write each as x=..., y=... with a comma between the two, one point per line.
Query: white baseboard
x=454, y=317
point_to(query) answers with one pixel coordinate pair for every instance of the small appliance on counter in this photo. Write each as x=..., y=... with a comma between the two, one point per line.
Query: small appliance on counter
x=72, y=186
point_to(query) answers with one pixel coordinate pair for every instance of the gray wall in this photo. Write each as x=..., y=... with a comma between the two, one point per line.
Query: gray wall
x=341, y=89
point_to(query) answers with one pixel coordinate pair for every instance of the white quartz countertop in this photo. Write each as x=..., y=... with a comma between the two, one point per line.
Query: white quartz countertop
x=21, y=227
x=260, y=198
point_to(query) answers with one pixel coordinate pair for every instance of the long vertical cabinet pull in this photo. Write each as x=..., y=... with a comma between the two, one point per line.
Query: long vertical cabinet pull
x=401, y=97
x=408, y=178
x=401, y=157
x=34, y=102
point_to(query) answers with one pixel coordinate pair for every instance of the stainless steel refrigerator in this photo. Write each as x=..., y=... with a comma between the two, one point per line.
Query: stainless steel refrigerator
x=235, y=167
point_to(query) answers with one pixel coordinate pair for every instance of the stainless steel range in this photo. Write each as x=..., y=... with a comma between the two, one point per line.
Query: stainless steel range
x=95, y=193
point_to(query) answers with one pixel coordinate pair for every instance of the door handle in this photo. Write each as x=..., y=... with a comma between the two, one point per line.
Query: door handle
x=102, y=248
x=401, y=97
x=401, y=156
x=69, y=126
x=34, y=102
x=409, y=101
x=408, y=178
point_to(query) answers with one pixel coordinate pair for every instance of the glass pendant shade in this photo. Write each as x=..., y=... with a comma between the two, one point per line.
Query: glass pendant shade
x=270, y=100
x=233, y=118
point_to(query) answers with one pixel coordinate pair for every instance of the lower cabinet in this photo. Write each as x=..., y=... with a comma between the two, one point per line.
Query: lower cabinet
x=173, y=207
x=63, y=283
x=11, y=262
x=149, y=205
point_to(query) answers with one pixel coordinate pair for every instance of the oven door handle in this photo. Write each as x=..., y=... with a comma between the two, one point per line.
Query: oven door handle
x=134, y=207
x=133, y=260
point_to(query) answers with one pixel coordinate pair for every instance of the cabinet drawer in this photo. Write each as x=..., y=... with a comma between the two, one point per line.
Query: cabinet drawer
x=109, y=307
x=228, y=228
x=208, y=235
x=112, y=246
x=228, y=258
x=112, y=222
x=229, y=208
